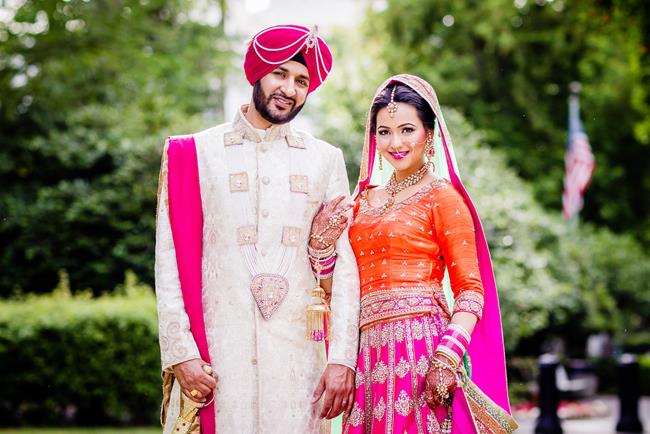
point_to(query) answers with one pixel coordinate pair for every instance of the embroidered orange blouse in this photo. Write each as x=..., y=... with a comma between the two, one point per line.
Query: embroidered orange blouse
x=402, y=255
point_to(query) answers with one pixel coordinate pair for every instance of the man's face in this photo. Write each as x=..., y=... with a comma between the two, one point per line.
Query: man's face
x=280, y=95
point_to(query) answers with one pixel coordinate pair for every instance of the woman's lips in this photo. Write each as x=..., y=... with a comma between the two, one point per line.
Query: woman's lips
x=399, y=155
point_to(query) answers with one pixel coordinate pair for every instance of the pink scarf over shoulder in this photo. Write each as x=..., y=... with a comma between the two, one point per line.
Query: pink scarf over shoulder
x=186, y=218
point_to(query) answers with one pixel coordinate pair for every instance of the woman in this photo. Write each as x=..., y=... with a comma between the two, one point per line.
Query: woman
x=408, y=234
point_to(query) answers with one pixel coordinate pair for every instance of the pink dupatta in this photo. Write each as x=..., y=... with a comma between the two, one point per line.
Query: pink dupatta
x=486, y=349
x=186, y=218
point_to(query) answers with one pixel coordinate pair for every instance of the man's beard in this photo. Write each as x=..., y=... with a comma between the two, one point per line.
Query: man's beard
x=263, y=102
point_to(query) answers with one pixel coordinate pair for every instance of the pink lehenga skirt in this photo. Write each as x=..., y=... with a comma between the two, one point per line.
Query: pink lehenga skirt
x=389, y=386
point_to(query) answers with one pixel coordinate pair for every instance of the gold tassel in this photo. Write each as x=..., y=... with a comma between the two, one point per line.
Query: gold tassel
x=318, y=317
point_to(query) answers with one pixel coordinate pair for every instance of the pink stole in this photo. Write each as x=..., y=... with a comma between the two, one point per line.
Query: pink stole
x=186, y=219
x=486, y=349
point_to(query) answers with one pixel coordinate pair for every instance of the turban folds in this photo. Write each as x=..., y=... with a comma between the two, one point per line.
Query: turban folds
x=278, y=44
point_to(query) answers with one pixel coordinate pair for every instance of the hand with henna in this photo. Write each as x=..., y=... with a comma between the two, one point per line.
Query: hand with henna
x=441, y=381
x=329, y=223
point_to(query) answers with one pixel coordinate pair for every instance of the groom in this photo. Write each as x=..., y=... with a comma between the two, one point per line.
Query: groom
x=233, y=278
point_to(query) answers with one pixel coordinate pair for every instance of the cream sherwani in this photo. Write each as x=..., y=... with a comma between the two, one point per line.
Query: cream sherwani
x=267, y=369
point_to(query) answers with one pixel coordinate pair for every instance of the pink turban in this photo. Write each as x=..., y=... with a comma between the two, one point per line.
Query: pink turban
x=278, y=44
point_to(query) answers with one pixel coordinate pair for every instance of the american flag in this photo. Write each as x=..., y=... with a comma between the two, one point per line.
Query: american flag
x=579, y=163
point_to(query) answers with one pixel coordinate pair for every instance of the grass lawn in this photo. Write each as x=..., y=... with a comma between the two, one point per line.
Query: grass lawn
x=154, y=430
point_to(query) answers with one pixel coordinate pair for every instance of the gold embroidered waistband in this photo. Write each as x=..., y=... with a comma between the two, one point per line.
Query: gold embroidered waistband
x=396, y=302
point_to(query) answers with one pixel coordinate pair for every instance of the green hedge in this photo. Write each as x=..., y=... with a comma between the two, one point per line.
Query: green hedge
x=80, y=360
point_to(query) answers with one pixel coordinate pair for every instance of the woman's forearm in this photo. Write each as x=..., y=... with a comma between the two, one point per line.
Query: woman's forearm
x=466, y=320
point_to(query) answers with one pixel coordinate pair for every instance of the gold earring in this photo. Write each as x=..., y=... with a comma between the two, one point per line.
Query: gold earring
x=381, y=161
x=428, y=149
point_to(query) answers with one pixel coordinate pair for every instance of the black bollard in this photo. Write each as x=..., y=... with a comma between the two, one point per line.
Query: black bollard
x=549, y=397
x=628, y=394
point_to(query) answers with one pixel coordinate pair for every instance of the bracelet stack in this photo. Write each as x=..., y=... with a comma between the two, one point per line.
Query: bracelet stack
x=454, y=343
x=322, y=261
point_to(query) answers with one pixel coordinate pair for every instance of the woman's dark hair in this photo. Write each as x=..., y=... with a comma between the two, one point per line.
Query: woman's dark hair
x=403, y=94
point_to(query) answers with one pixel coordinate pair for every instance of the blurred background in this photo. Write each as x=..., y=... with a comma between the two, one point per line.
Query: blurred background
x=89, y=89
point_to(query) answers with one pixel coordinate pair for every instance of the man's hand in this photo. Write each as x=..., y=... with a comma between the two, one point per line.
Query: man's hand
x=337, y=382
x=195, y=381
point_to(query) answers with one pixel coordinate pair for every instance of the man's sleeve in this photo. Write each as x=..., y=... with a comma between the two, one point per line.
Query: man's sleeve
x=176, y=341
x=344, y=320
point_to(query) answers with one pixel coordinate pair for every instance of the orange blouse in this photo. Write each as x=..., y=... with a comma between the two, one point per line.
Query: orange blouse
x=402, y=254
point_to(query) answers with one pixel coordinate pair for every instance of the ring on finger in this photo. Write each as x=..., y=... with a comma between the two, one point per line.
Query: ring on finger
x=194, y=393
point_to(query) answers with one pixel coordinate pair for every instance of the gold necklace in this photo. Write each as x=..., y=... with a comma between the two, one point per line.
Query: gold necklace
x=393, y=187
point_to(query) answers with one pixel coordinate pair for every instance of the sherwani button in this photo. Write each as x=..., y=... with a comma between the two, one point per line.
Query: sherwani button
x=266, y=180
x=264, y=148
x=265, y=213
x=254, y=361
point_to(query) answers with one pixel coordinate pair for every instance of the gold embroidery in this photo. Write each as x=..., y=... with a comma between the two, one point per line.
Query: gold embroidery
x=422, y=366
x=402, y=368
x=290, y=236
x=379, y=409
x=380, y=373
x=359, y=379
x=299, y=183
x=393, y=303
x=432, y=424
x=233, y=138
x=417, y=329
x=399, y=331
x=368, y=209
x=368, y=384
x=356, y=416
x=247, y=235
x=238, y=182
x=295, y=141
x=469, y=301
x=403, y=405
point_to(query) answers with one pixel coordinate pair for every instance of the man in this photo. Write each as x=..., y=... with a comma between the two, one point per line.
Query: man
x=232, y=294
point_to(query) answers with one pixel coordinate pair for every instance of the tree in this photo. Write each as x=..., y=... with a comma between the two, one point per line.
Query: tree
x=89, y=91
x=507, y=66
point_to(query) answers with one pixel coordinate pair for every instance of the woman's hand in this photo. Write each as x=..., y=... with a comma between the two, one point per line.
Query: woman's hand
x=440, y=383
x=329, y=223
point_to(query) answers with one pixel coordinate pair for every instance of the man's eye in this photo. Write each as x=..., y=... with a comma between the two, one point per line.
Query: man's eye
x=278, y=73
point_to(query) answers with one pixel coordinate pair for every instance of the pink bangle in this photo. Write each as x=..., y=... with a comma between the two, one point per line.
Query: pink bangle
x=454, y=342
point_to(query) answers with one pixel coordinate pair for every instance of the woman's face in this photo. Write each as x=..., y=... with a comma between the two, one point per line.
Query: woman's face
x=401, y=138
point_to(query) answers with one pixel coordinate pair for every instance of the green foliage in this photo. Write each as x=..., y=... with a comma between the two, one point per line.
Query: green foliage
x=507, y=66
x=78, y=359
x=89, y=91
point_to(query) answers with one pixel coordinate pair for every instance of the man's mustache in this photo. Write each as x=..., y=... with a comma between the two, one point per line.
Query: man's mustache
x=280, y=94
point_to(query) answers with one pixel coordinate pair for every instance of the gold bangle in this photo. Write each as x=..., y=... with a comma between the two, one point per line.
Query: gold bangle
x=452, y=364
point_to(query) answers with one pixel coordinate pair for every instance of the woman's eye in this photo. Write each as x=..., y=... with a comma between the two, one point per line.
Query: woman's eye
x=407, y=130
x=383, y=132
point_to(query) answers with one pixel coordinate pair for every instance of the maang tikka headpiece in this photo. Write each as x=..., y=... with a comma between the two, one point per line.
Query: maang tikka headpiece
x=392, y=105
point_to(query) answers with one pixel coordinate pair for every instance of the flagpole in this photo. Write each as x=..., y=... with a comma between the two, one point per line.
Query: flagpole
x=574, y=88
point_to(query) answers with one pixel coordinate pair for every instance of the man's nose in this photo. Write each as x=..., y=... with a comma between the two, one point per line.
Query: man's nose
x=289, y=88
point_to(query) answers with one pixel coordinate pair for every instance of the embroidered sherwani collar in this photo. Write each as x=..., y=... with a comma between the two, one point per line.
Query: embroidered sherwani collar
x=242, y=125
